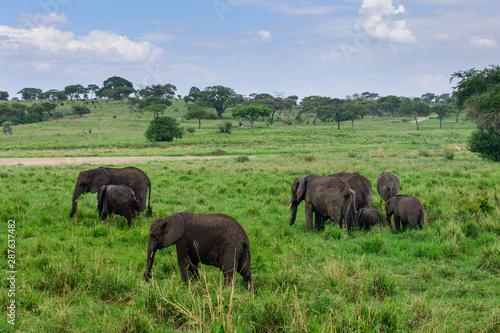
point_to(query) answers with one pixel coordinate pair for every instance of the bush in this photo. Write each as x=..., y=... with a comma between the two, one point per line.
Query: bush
x=80, y=110
x=163, y=129
x=225, y=127
x=190, y=130
x=486, y=142
x=449, y=153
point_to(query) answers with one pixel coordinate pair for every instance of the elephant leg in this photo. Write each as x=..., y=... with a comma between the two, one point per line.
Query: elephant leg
x=104, y=212
x=397, y=223
x=193, y=269
x=142, y=195
x=319, y=221
x=309, y=216
x=129, y=216
x=183, y=262
x=336, y=215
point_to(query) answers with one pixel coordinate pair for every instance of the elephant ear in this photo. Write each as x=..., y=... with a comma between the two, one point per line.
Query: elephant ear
x=174, y=229
x=299, y=187
x=101, y=177
x=389, y=206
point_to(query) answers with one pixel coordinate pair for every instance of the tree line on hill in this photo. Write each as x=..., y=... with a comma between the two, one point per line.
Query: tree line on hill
x=477, y=92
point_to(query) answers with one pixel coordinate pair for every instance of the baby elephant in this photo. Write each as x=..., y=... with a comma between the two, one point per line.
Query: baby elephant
x=408, y=210
x=117, y=199
x=368, y=217
x=212, y=239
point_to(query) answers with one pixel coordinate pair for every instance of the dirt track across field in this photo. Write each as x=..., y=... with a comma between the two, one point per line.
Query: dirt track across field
x=100, y=160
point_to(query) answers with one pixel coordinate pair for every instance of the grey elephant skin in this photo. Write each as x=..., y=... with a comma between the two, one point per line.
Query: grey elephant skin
x=325, y=196
x=92, y=180
x=367, y=218
x=117, y=199
x=387, y=185
x=212, y=239
x=363, y=189
x=406, y=210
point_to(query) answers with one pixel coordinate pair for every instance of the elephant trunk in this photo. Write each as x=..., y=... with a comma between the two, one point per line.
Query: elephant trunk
x=150, y=260
x=293, y=211
x=76, y=194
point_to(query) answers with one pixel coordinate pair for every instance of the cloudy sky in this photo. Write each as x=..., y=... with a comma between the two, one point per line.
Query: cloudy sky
x=295, y=47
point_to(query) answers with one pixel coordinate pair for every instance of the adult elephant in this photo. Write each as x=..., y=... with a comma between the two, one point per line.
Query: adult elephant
x=92, y=180
x=325, y=196
x=387, y=185
x=212, y=239
x=363, y=188
x=406, y=210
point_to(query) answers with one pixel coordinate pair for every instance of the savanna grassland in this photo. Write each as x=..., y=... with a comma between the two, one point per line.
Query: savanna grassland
x=84, y=275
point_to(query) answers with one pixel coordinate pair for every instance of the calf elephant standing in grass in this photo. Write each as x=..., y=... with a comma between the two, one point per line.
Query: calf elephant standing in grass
x=367, y=218
x=387, y=185
x=92, y=180
x=117, y=199
x=363, y=188
x=212, y=239
x=406, y=210
x=325, y=196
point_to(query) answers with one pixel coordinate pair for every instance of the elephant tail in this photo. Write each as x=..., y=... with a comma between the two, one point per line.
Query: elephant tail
x=421, y=219
x=150, y=211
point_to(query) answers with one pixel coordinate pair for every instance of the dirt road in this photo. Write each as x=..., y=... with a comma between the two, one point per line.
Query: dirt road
x=100, y=160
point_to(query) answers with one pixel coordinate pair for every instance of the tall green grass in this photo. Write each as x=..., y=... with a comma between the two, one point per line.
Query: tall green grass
x=83, y=274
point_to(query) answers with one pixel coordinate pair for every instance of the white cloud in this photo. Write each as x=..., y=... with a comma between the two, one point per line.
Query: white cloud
x=483, y=43
x=378, y=22
x=55, y=42
x=263, y=36
x=430, y=83
x=37, y=20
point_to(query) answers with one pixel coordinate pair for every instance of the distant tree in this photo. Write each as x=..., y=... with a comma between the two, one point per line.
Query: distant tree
x=113, y=83
x=49, y=107
x=251, y=112
x=313, y=105
x=156, y=109
x=197, y=111
x=153, y=100
x=120, y=93
x=133, y=103
x=4, y=96
x=442, y=110
x=369, y=95
x=6, y=110
x=92, y=88
x=37, y=110
x=478, y=93
x=429, y=98
x=80, y=110
x=58, y=115
x=163, y=129
x=7, y=127
x=354, y=109
x=414, y=108
x=55, y=96
x=218, y=97
x=389, y=104
x=30, y=94
x=195, y=94
x=160, y=91
x=74, y=91
x=277, y=103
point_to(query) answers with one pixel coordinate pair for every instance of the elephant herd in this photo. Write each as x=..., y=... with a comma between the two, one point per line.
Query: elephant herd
x=219, y=240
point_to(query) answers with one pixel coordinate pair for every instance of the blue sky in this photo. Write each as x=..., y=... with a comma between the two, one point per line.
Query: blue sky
x=300, y=47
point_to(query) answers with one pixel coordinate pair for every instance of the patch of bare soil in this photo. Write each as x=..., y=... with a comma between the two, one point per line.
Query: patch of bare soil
x=100, y=160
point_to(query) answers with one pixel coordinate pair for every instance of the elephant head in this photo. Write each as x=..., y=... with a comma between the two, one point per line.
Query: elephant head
x=298, y=192
x=89, y=181
x=390, y=205
x=163, y=233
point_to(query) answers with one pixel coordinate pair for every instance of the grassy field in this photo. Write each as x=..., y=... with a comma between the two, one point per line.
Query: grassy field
x=84, y=275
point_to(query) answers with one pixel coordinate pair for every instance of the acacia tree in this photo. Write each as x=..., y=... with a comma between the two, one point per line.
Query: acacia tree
x=251, y=112
x=414, y=108
x=30, y=93
x=442, y=110
x=4, y=95
x=218, y=97
x=197, y=111
x=355, y=108
x=478, y=93
x=389, y=104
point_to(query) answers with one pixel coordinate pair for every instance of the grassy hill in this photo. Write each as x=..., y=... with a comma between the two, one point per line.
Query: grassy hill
x=82, y=274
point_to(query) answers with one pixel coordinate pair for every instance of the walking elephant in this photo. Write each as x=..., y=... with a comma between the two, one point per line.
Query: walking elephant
x=325, y=196
x=367, y=218
x=92, y=180
x=406, y=210
x=387, y=185
x=117, y=199
x=212, y=239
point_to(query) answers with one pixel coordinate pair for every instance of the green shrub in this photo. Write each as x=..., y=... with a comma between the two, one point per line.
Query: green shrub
x=190, y=130
x=486, y=142
x=225, y=127
x=163, y=129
